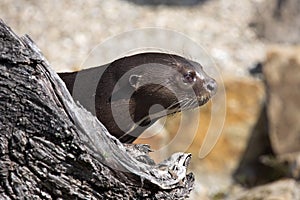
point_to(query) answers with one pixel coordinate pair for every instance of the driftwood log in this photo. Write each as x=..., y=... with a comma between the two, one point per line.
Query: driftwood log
x=52, y=148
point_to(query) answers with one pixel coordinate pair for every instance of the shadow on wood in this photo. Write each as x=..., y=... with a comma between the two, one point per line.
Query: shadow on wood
x=51, y=147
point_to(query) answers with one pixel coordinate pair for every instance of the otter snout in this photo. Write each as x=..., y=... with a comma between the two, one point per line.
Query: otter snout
x=211, y=86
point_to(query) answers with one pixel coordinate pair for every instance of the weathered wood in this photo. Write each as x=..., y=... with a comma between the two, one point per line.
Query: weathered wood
x=51, y=147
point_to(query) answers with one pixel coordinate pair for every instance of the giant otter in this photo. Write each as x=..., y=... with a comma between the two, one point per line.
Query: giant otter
x=131, y=93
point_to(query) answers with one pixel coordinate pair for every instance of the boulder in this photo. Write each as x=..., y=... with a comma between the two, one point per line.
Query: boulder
x=278, y=21
x=168, y=2
x=273, y=149
x=282, y=78
x=287, y=189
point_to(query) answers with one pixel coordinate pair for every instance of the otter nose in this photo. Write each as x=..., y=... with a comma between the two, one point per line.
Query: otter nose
x=211, y=86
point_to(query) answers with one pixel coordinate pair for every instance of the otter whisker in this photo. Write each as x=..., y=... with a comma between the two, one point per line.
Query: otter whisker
x=186, y=103
x=174, y=105
x=194, y=103
x=177, y=104
x=159, y=114
x=189, y=105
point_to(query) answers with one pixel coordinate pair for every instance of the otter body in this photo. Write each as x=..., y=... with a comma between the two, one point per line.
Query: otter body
x=131, y=93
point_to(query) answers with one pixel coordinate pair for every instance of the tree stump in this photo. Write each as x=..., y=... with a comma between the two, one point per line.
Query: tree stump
x=52, y=148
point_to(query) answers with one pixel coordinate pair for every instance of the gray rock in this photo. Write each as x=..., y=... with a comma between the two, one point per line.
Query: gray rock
x=278, y=21
x=168, y=2
x=287, y=189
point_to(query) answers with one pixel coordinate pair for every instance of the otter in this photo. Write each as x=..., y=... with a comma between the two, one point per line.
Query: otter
x=131, y=93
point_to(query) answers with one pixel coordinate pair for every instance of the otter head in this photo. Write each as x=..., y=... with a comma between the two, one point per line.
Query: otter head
x=149, y=86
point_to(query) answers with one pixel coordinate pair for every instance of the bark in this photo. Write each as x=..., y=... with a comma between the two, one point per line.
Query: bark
x=52, y=148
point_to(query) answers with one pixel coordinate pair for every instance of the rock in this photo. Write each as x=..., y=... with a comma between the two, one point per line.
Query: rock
x=251, y=171
x=287, y=189
x=273, y=149
x=278, y=21
x=282, y=77
x=168, y=2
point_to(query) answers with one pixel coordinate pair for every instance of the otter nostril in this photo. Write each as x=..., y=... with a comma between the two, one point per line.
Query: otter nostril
x=212, y=87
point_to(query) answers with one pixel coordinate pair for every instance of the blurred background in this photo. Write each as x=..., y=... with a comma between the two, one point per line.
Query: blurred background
x=254, y=44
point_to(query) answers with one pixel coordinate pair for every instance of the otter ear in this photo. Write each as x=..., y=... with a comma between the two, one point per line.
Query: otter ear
x=134, y=80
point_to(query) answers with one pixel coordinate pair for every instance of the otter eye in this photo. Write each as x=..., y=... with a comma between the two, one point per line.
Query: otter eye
x=189, y=77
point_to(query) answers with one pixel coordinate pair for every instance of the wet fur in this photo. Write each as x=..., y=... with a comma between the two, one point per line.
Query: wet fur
x=145, y=96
